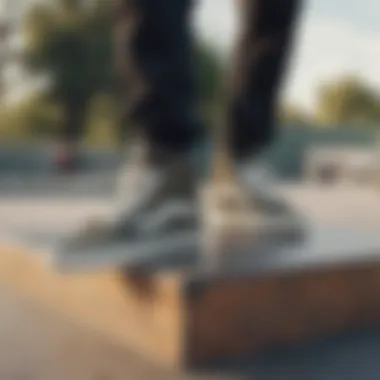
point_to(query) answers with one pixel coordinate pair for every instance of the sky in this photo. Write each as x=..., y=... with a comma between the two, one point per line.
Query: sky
x=334, y=37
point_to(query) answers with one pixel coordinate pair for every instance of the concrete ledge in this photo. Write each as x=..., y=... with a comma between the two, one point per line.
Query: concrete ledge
x=143, y=313
x=182, y=320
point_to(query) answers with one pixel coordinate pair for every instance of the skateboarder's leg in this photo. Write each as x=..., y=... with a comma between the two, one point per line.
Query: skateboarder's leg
x=154, y=55
x=258, y=68
x=156, y=190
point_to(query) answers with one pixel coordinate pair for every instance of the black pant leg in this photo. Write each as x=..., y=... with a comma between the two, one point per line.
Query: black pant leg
x=258, y=67
x=154, y=54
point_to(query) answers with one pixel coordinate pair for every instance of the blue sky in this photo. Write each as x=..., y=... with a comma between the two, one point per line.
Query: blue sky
x=335, y=37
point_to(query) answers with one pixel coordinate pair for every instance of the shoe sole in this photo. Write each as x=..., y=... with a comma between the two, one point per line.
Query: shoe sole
x=271, y=238
x=120, y=254
x=161, y=253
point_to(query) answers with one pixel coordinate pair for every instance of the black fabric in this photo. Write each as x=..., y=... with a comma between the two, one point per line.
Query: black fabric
x=257, y=70
x=154, y=54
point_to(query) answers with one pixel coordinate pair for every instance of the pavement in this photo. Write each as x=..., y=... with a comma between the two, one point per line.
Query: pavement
x=37, y=345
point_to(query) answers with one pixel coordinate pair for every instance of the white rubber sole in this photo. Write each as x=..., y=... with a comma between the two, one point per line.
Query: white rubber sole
x=216, y=250
x=119, y=254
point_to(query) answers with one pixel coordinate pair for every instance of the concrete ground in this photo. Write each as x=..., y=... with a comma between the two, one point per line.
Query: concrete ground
x=54, y=209
x=34, y=345
x=343, y=205
x=37, y=346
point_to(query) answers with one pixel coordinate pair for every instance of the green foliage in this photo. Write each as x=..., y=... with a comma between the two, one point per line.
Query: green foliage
x=37, y=117
x=33, y=117
x=72, y=45
x=348, y=101
x=295, y=115
x=69, y=41
x=102, y=123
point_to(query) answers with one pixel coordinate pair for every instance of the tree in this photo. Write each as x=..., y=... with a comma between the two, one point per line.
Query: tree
x=69, y=42
x=347, y=101
x=291, y=114
x=31, y=117
x=71, y=45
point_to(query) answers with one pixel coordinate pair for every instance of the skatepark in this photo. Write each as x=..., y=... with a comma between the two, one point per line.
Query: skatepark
x=40, y=339
x=267, y=289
